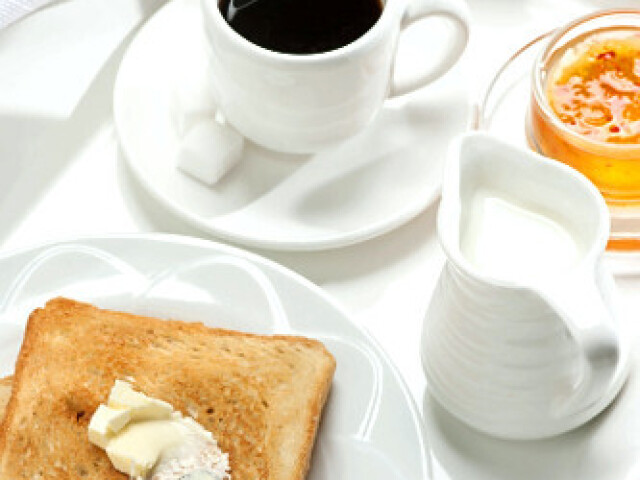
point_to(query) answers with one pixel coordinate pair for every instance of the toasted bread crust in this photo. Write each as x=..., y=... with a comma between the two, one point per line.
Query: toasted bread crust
x=5, y=394
x=255, y=393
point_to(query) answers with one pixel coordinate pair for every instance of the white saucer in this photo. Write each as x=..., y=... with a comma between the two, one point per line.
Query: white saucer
x=370, y=428
x=367, y=186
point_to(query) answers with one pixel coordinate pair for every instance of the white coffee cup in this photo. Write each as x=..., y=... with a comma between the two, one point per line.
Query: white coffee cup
x=305, y=103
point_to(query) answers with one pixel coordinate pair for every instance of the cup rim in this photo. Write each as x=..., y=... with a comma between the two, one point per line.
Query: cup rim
x=213, y=16
x=540, y=98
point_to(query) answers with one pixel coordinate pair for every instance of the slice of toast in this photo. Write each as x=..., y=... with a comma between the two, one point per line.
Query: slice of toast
x=260, y=396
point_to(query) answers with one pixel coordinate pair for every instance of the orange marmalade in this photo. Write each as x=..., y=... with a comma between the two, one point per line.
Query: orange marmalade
x=596, y=89
x=587, y=111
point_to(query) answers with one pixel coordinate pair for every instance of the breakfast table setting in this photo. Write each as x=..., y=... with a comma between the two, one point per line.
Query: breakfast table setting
x=152, y=160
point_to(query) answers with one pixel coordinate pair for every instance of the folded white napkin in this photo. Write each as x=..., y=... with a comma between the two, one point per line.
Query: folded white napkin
x=13, y=10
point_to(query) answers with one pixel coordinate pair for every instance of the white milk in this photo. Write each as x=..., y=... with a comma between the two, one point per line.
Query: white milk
x=509, y=242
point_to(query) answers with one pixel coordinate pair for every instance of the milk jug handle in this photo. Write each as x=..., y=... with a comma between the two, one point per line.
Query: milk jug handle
x=579, y=303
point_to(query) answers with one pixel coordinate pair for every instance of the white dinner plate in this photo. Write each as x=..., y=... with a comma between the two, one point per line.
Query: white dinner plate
x=368, y=185
x=370, y=428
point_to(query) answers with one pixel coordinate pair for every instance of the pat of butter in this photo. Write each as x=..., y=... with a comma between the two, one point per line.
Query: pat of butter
x=139, y=406
x=135, y=450
x=136, y=431
x=105, y=422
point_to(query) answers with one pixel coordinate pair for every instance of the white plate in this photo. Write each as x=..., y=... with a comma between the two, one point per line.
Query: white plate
x=367, y=186
x=370, y=429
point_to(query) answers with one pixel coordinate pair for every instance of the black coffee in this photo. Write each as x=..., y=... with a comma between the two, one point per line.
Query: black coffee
x=301, y=26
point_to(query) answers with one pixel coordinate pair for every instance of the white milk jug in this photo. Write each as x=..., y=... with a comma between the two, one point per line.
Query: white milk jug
x=520, y=339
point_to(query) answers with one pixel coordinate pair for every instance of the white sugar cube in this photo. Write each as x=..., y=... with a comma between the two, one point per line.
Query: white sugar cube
x=209, y=150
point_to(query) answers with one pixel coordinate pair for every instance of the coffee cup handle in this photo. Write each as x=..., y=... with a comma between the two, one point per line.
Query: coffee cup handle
x=588, y=320
x=454, y=10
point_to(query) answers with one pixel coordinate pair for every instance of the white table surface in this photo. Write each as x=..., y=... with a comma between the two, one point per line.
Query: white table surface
x=62, y=175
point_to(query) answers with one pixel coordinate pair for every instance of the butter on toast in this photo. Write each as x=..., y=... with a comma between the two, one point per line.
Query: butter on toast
x=260, y=396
